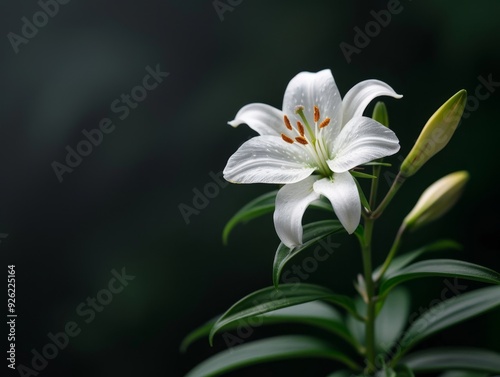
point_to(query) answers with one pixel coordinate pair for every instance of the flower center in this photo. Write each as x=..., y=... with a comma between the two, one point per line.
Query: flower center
x=300, y=131
x=303, y=134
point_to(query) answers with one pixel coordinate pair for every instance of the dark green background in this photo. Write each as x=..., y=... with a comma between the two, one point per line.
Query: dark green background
x=119, y=208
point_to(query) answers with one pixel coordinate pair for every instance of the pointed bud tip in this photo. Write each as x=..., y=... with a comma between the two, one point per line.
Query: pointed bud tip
x=456, y=102
x=437, y=199
x=436, y=133
x=380, y=113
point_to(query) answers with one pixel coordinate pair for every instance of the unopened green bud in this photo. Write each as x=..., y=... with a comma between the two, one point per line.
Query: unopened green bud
x=437, y=199
x=436, y=133
x=380, y=113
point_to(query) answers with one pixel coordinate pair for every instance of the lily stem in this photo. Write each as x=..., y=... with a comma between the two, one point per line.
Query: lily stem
x=370, y=292
x=396, y=185
x=374, y=188
x=392, y=253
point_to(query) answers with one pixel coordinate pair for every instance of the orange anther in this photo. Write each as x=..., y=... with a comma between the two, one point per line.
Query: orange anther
x=316, y=114
x=300, y=127
x=302, y=140
x=287, y=123
x=287, y=139
x=325, y=123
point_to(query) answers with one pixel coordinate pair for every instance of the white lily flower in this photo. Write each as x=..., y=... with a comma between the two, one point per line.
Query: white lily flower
x=310, y=146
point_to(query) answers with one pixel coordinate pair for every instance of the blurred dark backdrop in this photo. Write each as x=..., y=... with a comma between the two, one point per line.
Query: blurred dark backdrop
x=119, y=208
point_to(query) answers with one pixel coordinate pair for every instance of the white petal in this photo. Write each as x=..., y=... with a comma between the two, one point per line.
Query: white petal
x=362, y=140
x=361, y=94
x=264, y=119
x=343, y=194
x=291, y=203
x=309, y=89
x=269, y=159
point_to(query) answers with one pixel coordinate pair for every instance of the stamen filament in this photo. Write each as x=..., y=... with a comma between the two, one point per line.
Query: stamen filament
x=322, y=156
x=300, y=110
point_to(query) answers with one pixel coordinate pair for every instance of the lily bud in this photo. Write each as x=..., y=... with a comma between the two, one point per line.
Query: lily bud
x=436, y=133
x=380, y=113
x=437, y=199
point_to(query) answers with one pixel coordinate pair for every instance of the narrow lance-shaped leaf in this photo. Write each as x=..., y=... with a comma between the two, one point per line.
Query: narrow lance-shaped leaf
x=463, y=373
x=405, y=259
x=277, y=348
x=257, y=207
x=389, y=323
x=269, y=299
x=471, y=359
x=440, y=267
x=449, y=313
x=313, y=233
x=197, y=333
x=314, y=313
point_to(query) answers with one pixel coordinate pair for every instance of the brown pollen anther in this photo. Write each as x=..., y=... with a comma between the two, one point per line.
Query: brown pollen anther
x=325, y=123
x=287, y=123
x=316, y=113
x=287, y=139
x=300, y=127
x=302, y=140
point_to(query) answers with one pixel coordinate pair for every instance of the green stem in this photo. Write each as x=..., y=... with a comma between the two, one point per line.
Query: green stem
x=396, y=185
x=370, y=292
x=392, y=253
x=374, y=187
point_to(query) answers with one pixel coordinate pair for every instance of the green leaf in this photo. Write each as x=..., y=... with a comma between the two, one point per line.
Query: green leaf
x=260, y=351
x=454, y=358
x=256, y=208
x=402, y=261
x=269, y=299
x=359, y=174
x=196, y=334
x=362, y=195
x=440, y=267
x=390, y=322
x=378, y=163
x=313, y=233
x=314, y=313
x=449, y=313
x=459, y=373
x=260, y=206
x=403, y=371
x=392, y=319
